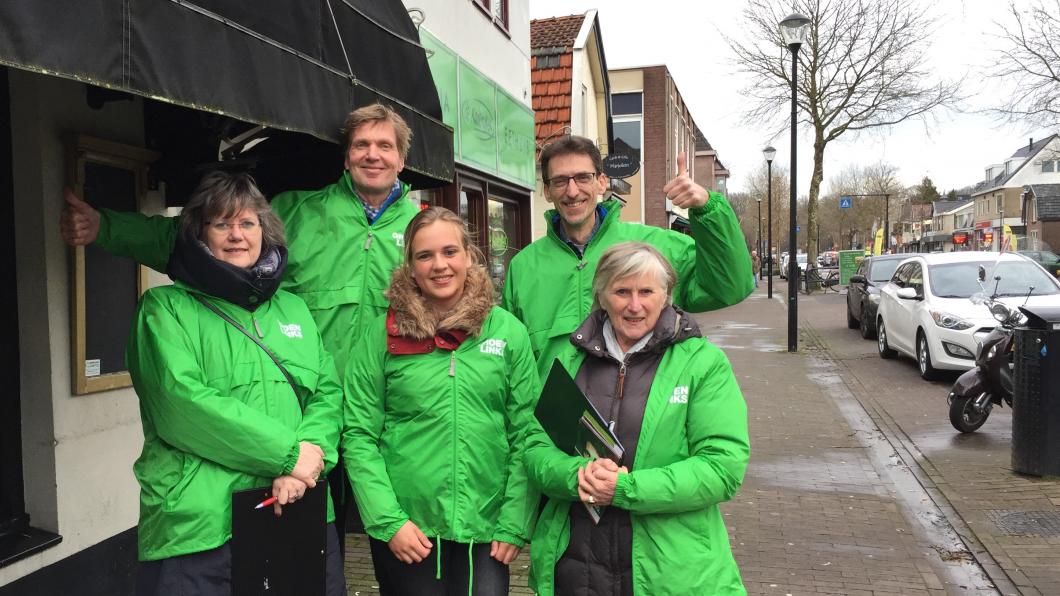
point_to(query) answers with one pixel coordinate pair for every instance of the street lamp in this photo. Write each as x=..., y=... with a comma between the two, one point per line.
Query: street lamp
x=793, y=29
x=758, y=243
x=769, y=153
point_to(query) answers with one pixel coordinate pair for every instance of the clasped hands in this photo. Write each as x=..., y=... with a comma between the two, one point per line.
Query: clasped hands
x=597, y=481
x=289, y=488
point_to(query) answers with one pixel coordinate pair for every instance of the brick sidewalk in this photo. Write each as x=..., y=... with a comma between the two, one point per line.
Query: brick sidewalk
x=814, y=515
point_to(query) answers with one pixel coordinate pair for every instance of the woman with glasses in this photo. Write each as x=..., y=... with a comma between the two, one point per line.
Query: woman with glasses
x=218, y=413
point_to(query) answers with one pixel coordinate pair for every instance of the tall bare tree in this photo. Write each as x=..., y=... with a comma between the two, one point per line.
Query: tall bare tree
x=758, y=187
x=1030, y=63
x=863, y=67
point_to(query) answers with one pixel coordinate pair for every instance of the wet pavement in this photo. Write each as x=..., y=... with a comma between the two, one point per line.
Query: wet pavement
x=857, y=483
x=970, y=507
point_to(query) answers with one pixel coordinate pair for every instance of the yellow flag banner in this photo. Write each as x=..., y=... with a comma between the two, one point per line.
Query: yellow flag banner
x=877, y=248
x=1008, y=242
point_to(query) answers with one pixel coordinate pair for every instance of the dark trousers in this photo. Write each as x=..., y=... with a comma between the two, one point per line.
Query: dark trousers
x=209, y=573
x=489, y=578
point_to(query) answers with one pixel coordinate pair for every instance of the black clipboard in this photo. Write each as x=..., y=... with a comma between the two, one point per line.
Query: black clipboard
x=279, y=555
x=571, y=420
x=574, y=424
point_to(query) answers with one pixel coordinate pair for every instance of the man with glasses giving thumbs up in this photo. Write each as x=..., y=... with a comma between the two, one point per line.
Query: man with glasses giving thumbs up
x=549, y=283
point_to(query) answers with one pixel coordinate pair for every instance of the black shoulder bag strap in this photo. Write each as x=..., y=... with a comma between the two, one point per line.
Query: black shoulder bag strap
x=243, y=330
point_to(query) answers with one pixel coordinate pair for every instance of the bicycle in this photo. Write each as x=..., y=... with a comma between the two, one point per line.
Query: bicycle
x=813, y=279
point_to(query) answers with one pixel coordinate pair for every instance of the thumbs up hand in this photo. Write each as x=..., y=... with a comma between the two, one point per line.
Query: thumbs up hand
x=682, y=190
x=79, y=222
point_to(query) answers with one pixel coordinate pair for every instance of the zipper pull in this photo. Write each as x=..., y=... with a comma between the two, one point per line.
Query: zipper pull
x=452, y=363
x=621, y=380
x=257, y=327
x=582, y=265
x=368, y=241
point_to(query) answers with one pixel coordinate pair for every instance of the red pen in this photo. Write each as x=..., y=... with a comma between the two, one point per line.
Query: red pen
x=265, y=503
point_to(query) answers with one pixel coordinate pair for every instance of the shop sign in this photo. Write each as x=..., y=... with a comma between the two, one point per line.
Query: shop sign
x=492, y=130
x=960, y=237
x=620, y=165
x=443, y=62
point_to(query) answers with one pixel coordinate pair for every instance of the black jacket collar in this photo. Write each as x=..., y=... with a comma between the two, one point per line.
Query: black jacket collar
x=193, y=264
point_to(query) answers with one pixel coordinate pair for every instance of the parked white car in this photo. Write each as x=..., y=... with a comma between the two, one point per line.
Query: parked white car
x=800, y=258
x=926, y=310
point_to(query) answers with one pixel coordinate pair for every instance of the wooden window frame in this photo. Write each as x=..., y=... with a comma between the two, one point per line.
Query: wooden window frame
x=80, y=150
x=486, y=6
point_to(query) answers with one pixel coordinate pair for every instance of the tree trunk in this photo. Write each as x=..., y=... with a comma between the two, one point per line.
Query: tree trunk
x=811, y=201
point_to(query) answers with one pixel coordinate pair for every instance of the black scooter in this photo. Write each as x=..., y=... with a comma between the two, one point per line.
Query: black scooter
x=990, y=383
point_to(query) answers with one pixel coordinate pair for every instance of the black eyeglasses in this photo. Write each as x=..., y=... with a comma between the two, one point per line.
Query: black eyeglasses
x=582, y=179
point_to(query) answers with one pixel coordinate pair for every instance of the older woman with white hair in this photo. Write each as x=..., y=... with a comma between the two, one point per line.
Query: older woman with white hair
x=673, y=402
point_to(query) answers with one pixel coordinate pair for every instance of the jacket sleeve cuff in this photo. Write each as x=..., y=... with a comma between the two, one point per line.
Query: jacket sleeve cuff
x=103, y=236
x=502, y=536
x=622, y=488
x=715, y=201
x=386, y=533
x=292, y=459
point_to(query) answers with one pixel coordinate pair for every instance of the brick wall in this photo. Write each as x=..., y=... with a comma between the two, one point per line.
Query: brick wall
x=656, y=114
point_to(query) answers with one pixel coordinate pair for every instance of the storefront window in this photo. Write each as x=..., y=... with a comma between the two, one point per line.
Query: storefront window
x=627, y=138
x=503, y=236
x=430, y=197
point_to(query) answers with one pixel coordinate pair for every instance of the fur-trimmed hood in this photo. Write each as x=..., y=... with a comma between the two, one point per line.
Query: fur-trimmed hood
x=415, y=319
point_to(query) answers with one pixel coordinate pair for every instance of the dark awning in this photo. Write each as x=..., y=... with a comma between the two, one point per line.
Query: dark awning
x=277, y=63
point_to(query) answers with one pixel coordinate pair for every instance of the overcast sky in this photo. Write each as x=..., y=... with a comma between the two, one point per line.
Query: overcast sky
x=685, y=36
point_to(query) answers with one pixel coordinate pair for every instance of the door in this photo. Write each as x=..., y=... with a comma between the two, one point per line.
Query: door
x=903, y=330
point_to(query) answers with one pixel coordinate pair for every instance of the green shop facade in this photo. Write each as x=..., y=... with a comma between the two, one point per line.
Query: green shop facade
x=493, y=143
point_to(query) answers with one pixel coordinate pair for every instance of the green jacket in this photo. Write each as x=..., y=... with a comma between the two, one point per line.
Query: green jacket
x=691, y=455
x=338, y=263
x=218, y=415
x=550, y=290
x=437, y=438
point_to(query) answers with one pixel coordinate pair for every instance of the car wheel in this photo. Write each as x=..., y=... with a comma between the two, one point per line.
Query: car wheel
x=923, y=358
x=881, y=341
x=852, y=321
x=865, y=327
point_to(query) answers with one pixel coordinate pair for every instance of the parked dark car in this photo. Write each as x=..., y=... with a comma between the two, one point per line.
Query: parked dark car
x=1045, y=258
x=863, y=292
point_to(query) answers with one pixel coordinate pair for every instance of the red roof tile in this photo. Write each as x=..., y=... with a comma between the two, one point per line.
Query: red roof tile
x=555, y=32
x=551, y=73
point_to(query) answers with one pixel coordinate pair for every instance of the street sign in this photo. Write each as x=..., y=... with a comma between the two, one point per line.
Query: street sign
x=846, y=202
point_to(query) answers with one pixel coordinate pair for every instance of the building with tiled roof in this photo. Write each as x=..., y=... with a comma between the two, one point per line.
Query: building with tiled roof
x=998, y=196
x=1041, y=214
x=569, y=87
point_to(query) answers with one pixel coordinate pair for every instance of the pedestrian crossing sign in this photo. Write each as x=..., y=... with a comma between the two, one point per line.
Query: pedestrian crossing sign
x=846, y=202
